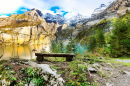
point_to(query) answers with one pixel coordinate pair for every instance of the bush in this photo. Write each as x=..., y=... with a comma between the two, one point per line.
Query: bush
x=57, y=47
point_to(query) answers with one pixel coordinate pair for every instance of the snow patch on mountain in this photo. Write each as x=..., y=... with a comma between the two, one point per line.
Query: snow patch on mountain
x=77, y=19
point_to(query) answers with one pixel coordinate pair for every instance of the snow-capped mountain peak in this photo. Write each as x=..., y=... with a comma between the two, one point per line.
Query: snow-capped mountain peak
x=100, y=9
x=53, y=18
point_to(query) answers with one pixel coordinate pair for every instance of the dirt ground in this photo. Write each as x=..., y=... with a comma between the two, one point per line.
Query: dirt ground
x=112, y=75
x=108, y=74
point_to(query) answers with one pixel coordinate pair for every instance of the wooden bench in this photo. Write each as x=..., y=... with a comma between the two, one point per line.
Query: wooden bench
x=40, y=56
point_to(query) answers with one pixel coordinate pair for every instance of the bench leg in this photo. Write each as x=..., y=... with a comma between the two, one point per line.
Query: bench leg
x=69, y=59
x=40, y=58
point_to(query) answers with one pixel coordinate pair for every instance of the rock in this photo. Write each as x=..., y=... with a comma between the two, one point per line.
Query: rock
x=96, y=65
x=108, y=84
x=110, y=64
x=13, y=63
x=115, y=76
x=91, y=69
x=4, y=83
x=31, y=84
x=17, y=63
x=128, y=73
x=101, y=57
x=108, y=69
x=26, y=63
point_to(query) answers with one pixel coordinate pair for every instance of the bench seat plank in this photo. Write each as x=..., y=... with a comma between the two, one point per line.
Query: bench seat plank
x=68, y=56
x=54, y=54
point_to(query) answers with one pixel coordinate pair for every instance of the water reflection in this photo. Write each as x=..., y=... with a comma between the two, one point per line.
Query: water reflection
x=23, y=52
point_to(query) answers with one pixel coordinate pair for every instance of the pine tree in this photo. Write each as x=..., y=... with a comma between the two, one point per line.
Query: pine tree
x=71, y=46
x=61, y=47
x=100, y=39
x=91, y=43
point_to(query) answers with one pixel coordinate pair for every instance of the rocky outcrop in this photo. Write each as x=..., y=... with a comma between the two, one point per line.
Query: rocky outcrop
x=34, y=14
x=62, y=27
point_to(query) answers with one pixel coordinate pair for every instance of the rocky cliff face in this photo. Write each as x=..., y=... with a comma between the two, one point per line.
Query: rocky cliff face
x=118, y=7
x=27, y=28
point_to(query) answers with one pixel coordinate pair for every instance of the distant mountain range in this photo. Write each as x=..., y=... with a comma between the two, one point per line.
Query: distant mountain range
x=61, y=20
x=103, y=11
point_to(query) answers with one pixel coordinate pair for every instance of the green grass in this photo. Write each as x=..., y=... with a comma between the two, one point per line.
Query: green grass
x=33, y=59
x=55, y=67
x=2, y=62
x=59, y=59
x=113, y=60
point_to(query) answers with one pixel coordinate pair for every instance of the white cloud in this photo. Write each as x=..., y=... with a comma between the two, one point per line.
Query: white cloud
x=47, y=11
x=9, y=6
x=38, y=4
x=3, y=16
x=69, y=15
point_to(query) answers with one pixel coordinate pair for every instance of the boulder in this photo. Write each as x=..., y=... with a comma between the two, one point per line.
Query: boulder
x=91, y=69
x=50, y=76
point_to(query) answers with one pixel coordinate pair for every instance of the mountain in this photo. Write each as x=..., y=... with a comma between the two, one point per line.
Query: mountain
x=99, y=10
x=120, y=7
x=27, y=28
x=117, y=7
x=77, y=19
x=54, y=18
x=39, y=12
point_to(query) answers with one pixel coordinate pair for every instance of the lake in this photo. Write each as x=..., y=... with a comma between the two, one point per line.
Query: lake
x=26, y=52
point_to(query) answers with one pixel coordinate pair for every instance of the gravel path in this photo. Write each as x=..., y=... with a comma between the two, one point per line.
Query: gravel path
x=127, y=61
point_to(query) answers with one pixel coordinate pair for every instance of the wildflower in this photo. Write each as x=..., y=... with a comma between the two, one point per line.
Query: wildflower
x=74, y=76
x=35, y=68
x=78, y=83
x=71, y=81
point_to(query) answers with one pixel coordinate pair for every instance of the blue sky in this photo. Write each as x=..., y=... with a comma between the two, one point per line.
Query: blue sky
x=67, y=8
